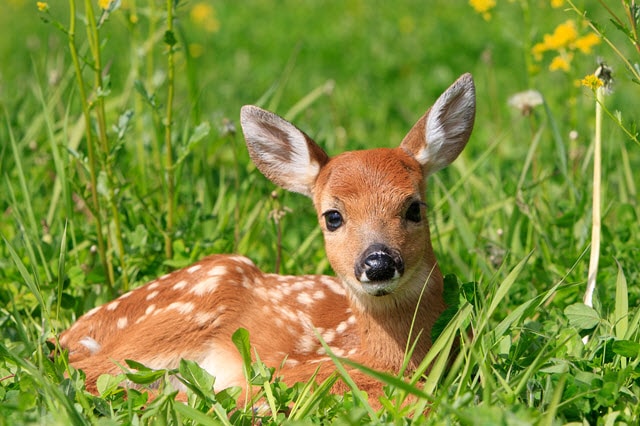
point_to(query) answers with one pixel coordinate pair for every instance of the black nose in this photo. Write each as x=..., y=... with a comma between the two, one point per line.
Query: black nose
x=379, y=263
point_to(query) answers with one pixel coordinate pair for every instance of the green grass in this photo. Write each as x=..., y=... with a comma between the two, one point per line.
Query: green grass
x=511, y=218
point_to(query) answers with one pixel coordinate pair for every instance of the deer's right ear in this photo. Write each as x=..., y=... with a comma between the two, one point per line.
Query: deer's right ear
x=282, y=152
x=442, y=133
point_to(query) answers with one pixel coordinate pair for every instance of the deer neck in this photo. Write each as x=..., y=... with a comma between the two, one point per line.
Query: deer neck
x=390, y=324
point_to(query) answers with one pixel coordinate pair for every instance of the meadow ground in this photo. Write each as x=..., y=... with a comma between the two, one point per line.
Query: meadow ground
x=92, y=204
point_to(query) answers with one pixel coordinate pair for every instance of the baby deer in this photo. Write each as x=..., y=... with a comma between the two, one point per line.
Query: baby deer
x=371, y=208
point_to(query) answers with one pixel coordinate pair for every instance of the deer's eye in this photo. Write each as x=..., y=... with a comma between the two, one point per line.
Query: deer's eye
x=414, y=213
x=333, y=219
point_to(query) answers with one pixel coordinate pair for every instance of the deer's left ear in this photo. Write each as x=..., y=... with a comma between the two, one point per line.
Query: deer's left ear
x=442, y=133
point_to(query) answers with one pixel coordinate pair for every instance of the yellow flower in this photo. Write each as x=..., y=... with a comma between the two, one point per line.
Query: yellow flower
x=556, y=3
x=204, y=14
x=483, y=7
x=104, y=4
x=592, y=82
x=42, y=6
x=562, y=36
x=560, y=62
x=584, y=44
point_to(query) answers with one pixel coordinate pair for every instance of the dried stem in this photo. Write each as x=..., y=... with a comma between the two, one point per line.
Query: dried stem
x=596, y=218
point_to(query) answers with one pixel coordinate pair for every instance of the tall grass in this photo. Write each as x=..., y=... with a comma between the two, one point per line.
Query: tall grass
x=120, y=160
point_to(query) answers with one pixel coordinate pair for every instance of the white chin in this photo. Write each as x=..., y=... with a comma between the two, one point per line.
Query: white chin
x=382, y=288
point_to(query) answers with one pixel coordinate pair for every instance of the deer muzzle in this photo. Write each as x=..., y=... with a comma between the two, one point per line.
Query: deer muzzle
x=379, y=264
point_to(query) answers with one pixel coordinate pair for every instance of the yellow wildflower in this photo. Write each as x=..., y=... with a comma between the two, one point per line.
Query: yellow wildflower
x=42, y=6
x=562, y=36
x=483, y=7
x=104, y=4
x=556, y=3
x=204, y=14
x=592, y=82
x=584, y=44
x=560, y=62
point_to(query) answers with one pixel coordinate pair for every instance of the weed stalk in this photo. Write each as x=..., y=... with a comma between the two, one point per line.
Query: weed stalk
x=170, y=40
x=94, y=45
x=93, y=165
x=595, y=214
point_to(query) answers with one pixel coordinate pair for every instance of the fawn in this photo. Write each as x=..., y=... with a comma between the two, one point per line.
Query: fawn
x=371, y=207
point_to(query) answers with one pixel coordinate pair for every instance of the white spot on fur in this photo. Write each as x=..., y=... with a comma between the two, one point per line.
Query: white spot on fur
x=150, y=309
x=194, y=268
x=242, y=259
x=291, y=362
x=288, y=314
x=91, y=344
x=306, y=344
x=92, y=311
x=276, y=296
x=206, y=286
x=342, y=327
x=182, y=307
x=124, y=296
x=179, y=285
x=122, y=322
x=203, y=317
x=246, y=282
x=333, y=285
x=304, y=299
x=217, y=271
x=319, y=295
x=262, y=293
x=152, y=295
x=164, y=277
x=329, y=336
x=337, y=351
x=153, y=285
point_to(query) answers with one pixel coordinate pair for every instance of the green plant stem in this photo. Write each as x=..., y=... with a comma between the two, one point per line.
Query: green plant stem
x=94, y=44
x=168, y=243
x=138, y=103
x=596, y=218
x=93, y=167
x=629, y=8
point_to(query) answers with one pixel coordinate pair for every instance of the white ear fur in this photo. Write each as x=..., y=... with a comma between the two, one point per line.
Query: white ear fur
x=283, y=153
x=448, y=125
